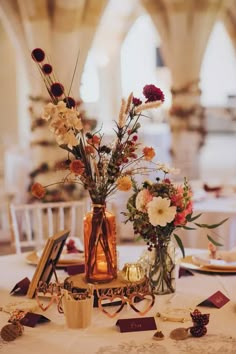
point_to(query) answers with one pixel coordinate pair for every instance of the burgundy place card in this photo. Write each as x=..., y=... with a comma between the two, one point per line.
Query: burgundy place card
x=21, y=287
x=218, y=300
x=184, y=272
x=75, y=269
x=136, y=324
x=32, y=319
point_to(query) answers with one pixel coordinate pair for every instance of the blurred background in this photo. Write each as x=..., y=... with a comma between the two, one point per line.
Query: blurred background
x=185, y=47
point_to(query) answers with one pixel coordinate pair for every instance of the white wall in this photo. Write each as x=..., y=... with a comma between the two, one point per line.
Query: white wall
x=8, y=94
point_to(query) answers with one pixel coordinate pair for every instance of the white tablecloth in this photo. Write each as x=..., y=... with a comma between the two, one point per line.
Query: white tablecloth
x=103, y=336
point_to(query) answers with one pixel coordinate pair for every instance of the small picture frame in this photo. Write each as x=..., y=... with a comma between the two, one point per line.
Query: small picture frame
x=47, y=262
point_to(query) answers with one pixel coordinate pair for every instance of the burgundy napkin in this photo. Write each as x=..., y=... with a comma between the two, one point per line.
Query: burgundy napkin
x=218, y=300
x=32, y=319
x=184, y=272
x=21, y=287
x=75, y=269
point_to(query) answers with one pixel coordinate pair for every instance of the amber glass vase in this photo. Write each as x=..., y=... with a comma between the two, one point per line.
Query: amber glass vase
x=100, y=245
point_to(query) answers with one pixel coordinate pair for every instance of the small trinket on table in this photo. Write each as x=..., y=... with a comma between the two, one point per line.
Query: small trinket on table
x=133, y=272
x=158, y=335
x=11, y=331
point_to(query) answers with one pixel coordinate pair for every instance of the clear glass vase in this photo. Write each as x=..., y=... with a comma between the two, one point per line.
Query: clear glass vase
x=100, y=245
x=162, y=268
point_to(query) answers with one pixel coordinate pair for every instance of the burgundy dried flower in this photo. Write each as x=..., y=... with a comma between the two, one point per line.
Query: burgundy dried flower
x=38, y=55
x=167, y=180
x=71, y=247
x=47, y=69
x=89, y=135
x=57, y=89
x=70, y=102
x=136, y=101
x=153, y=93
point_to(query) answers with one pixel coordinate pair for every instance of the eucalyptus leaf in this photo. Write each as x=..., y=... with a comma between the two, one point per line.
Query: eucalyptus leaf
x=194, y=217
x=188, y=228
x=180, y=244
x=212, y=226
x=213, y=241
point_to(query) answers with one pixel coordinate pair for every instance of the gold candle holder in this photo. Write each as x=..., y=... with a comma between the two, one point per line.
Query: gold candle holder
x=133, y=272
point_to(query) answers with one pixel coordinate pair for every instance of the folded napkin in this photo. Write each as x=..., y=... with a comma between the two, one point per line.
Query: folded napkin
x=221, y=258
x=202, y=261
x=227, y=256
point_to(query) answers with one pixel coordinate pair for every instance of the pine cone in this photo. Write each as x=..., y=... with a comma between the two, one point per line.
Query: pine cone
x=198, y=331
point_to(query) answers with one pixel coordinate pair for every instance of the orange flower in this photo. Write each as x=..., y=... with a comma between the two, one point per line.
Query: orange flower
x=89, y=149
x=95, y=140
x=124, y=183
x=38, y=190
x=148, y=153
x=77, y=167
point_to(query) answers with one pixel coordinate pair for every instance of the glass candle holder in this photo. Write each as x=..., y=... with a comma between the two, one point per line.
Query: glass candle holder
x=133, y=272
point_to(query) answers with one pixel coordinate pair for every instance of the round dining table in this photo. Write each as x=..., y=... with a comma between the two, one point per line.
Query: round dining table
x=103, y=336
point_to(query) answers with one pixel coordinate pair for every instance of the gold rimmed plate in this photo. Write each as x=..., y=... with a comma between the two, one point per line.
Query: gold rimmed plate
x=65, y=261
x=189, y=263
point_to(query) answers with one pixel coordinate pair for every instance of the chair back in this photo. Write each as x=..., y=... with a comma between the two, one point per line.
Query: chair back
x=33, y=223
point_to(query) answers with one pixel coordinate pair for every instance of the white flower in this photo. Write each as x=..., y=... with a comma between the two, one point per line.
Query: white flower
x=68, y=139
x=142, y=198
x=49, y=110
x=61, y=107
x=73, y=120
x=160, y=212
x=167, y=169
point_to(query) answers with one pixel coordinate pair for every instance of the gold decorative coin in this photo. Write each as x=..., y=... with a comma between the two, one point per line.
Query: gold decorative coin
x=179, y=333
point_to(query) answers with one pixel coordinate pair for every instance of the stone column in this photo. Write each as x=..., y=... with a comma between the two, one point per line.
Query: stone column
x=64, y=30
x=184, y=27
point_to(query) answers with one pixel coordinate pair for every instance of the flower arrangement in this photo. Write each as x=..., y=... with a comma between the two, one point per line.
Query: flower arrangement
x=100, y=168
x=157, y=209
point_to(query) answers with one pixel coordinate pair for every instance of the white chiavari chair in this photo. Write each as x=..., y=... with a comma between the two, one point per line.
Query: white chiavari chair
x=32, y=223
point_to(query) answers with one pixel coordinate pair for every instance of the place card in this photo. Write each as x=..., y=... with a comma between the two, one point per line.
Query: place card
x=184, y=272
x=21, y=287
x=136, y=324
x=75, y=269
x=32, y=319
x=218, y=300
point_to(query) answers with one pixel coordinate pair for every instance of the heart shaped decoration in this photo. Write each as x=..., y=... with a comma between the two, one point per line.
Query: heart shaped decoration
x=107, y=303
x=141, y=303
x=43, y=307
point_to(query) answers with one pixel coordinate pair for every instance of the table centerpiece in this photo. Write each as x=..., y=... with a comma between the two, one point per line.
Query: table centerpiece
x=157, y=211
x=100, y=168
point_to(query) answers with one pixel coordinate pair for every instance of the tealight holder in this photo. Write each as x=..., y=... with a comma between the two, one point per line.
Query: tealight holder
x=133, y=272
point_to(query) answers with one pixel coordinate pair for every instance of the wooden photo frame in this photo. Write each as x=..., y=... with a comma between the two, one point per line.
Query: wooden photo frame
x=47, y=262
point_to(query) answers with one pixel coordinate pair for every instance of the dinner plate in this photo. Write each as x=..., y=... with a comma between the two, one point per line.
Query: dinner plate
x=204, y=260
x=75, y=259
x=188, y=263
